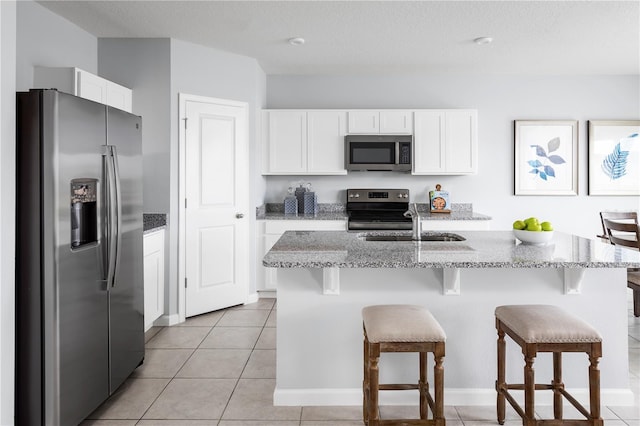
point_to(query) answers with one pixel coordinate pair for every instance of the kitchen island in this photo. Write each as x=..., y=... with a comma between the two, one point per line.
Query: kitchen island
x=326, y=278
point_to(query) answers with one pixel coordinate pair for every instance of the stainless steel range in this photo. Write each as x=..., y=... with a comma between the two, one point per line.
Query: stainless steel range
x=378, y=209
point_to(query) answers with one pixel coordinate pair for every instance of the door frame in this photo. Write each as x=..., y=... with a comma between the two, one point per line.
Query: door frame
x=183, y=98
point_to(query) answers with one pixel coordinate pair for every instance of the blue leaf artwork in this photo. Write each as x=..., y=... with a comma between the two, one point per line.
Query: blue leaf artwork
x=539, y=167
x=614, y=165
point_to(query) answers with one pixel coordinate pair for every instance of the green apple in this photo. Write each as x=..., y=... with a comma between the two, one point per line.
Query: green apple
x=546, y=226
x=535, y=227
x=519, y=224
x=532, y=220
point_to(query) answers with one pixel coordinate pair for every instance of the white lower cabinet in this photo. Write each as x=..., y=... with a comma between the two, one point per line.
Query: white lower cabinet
x=153, y=244
x=271, y=230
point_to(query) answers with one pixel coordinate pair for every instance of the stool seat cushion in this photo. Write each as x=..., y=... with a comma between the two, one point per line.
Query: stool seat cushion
x=401, y=323
x=546, y=324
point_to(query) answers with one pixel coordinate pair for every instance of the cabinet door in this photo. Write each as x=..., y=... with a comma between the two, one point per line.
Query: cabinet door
x=286, y=142
x=394, y=122
x=119, y=97
x=153, y=277
x=365, y=121
x=91, y=87
x=461, y=143
x=428, y=142
x=325, y=142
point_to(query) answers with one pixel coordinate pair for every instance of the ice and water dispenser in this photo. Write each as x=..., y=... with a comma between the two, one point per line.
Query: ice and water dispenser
x=84, y=212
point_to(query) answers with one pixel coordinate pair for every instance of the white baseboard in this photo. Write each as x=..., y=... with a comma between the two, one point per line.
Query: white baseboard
x=167, y=320
x=268, y=294
x=252, y=298
x=324, y=397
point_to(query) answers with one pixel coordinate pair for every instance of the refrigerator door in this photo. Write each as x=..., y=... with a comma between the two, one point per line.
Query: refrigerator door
x=126, y=300
x=75, y=308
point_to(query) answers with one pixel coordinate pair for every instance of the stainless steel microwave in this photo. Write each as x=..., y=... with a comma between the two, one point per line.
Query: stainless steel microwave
x=378, y=152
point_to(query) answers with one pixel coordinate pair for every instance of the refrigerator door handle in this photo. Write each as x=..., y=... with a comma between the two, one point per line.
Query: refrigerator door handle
x=117, y=219
x=111, y=221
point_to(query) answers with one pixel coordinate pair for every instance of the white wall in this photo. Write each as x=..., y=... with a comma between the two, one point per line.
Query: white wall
x=7, y=207
x=499, y=100
x=46, y=39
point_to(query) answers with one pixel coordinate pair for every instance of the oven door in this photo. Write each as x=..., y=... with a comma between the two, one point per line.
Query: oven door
x=378, y=216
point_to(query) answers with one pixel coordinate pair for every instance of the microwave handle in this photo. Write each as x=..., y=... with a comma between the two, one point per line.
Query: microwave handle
x=397, y=144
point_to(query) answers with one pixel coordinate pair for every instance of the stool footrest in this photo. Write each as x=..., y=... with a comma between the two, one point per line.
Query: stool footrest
x=520, y=386
x=400, y=386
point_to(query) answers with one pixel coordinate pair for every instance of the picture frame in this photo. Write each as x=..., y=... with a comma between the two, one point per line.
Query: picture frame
x=546, y=157
x=614, y=157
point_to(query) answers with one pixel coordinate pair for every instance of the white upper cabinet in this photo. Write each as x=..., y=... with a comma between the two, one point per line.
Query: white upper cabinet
x=311, y=142
x=85, y=85
x=383, y=122
x=325, y=142
x=303, y=142
x=445, y=142
x=286, y=135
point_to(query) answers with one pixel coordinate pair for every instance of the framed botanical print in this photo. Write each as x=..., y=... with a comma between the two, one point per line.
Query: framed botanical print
x=614, y=157
x=546, y=157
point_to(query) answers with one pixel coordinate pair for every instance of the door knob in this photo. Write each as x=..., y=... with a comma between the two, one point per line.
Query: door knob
x=239, y=215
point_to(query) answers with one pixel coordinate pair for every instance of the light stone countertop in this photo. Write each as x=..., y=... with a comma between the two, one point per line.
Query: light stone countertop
x=275, y=211
x=481, y=249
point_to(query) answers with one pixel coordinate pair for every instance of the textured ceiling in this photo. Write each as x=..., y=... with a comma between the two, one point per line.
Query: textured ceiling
x=378, y=37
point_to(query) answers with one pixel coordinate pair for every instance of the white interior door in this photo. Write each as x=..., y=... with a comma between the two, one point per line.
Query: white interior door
x=216, y=206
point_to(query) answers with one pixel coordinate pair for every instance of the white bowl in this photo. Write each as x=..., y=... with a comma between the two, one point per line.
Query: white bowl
x=533, y=237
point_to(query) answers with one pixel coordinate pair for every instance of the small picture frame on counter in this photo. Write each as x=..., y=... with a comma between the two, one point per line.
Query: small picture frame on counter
x=439, y=201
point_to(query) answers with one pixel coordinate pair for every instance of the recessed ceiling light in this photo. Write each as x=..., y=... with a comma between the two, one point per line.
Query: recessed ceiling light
x=296, y=41
x=483, y=40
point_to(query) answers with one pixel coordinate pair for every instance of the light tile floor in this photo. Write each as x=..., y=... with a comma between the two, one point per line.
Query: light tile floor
x=219, y=369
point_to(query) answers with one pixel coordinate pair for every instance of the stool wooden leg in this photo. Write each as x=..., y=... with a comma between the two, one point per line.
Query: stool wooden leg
x=423, y=386
x=374, y=358
x=529, y=391
x=557, y=385
x=594, y=389
x=438, y=385
x=500, y=383
x=365, y=380
x=636, y=302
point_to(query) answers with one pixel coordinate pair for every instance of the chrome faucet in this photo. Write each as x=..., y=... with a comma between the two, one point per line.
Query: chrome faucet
x=416, y=221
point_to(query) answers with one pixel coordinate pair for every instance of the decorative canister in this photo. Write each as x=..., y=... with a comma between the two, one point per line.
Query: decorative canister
x=290, y=203
x=300, y=190
x=291, y=206
x=310, y=203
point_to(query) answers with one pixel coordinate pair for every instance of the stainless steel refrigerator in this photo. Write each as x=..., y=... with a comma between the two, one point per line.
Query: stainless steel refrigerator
x=79, y=273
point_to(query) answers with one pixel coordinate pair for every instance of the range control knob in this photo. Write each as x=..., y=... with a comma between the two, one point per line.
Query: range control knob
x=357, y=195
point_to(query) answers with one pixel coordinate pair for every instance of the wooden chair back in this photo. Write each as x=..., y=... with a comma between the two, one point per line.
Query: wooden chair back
x=618, y=216
x=626, y=234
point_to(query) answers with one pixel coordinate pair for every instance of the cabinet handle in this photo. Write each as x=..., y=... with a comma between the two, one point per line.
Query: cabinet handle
x=239, y=215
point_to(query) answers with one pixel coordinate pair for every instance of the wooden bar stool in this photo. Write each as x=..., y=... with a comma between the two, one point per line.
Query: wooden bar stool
x=402, y=328
x=543, y=328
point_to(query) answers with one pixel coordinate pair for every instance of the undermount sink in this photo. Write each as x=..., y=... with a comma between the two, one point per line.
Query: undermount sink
x=446, y=236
